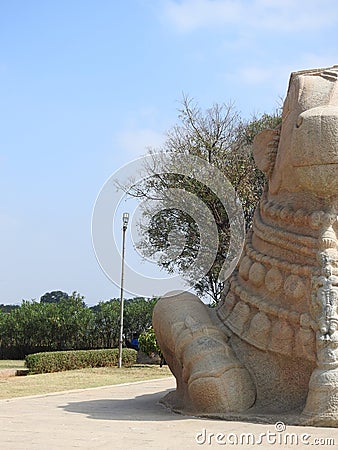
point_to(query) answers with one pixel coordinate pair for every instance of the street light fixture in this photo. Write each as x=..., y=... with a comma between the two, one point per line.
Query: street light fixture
x=125, y=219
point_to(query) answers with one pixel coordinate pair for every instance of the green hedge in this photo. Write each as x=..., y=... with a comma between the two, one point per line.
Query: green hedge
x=78, y=359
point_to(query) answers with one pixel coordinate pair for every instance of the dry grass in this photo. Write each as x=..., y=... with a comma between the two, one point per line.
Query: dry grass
x=77, y=379
x=12, y=363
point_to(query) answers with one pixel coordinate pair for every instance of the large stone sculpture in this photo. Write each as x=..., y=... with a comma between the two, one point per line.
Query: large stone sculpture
x=271, y=347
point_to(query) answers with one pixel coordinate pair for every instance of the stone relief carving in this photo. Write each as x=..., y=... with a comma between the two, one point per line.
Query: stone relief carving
x=325, y=302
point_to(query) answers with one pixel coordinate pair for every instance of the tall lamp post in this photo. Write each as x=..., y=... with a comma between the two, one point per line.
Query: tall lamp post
x=125, y=219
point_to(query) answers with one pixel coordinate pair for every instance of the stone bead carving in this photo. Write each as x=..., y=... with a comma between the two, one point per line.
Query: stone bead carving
x=244, y=267
x=305, y=344
x=239, y=316
x=282, y=337
x=273, y=280
x=257, y=274
x=259, y=330
x=294, y=287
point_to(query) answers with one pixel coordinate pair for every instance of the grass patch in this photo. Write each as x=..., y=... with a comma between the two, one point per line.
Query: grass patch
x=12, y=363
x=78, y=379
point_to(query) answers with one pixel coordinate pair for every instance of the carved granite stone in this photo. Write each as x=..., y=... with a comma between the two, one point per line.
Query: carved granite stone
x=271, y=347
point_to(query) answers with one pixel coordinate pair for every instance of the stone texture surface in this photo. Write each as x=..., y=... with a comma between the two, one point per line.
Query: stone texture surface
x=273, y=345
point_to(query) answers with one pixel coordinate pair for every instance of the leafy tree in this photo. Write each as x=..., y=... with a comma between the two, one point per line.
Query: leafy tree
x=149, y=345
x=137, y=315
x=53, y=297
x=222, y=138
x=74, y=319
x=69, y=324
x=8, y=308
x=106, y=324
x=148, y=342
x=46, y=326
x=22, y=329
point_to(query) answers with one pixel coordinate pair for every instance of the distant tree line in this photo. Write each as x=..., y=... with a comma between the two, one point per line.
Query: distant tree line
x=63, y=322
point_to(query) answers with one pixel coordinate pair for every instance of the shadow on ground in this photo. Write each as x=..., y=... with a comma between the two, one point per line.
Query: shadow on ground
x=141, y=408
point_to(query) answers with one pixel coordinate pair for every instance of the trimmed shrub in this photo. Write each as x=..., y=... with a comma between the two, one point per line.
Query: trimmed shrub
x=48, y=362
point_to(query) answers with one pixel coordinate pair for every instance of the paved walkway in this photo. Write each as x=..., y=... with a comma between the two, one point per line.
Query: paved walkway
x=130, y=417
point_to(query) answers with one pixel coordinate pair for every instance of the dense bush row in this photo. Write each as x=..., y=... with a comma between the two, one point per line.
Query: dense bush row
x=78, y=359
x=69, y=324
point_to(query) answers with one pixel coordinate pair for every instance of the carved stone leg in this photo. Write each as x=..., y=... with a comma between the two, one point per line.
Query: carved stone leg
x=209, y=376
x=322, y=403
x=321, y=407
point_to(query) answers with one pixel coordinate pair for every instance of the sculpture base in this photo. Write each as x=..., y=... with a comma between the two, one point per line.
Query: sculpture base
x=321, y=407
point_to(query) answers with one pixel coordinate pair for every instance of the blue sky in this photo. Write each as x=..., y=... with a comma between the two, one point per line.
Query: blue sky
x=86, y=86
